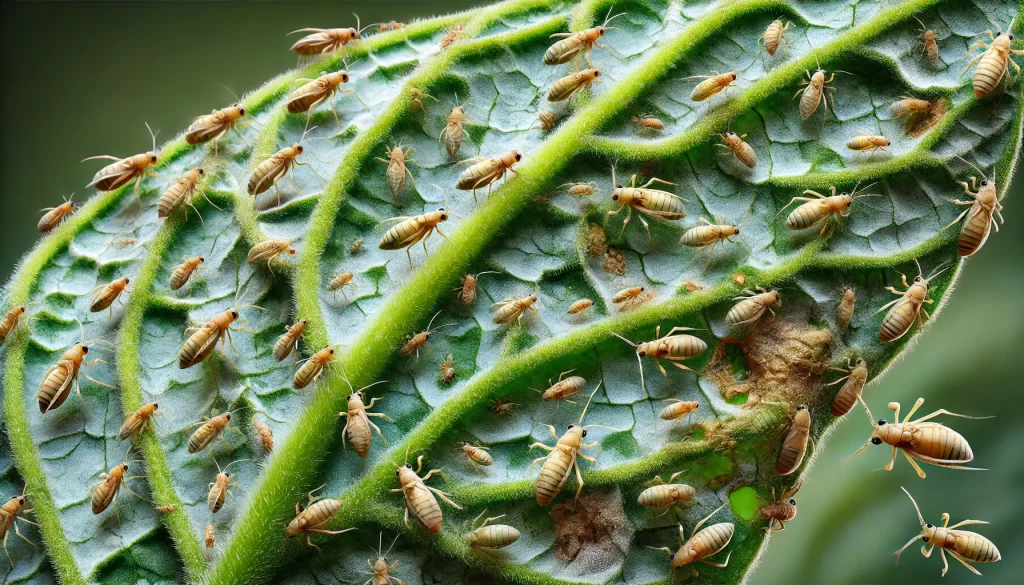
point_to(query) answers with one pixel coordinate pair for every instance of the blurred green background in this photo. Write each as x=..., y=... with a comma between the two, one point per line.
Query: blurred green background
x=82, y=79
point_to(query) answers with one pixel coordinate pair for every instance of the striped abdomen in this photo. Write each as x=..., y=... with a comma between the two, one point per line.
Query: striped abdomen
x=481, y=174
x=938, y=442
x=405, y=233
x=794, y=446
x=971, y=546
x=580, y=306
x=554, y=474
x=844, y=312
x=207, y=128
x=657, y=203
x=182, y=272
x=975, y=231
x=565, y=87
x=115, y=175
x=811, y=97
x=136, y=420
x=396, y=172
x=53, y=218
x=661, y=496
x=678, y=410
x=711, y=86
x=899, y=320
x=682, y=346
x=453, y=136
x=423, y=505
x=808, y=214
x=317, y=514
x=172, y=197
x=107, y=490
x=492, y=537
x=565, y=50
x=10, y=322
x=700, y=235
x=306, y=374
x=931, y=49
x=215, y=499
x=303, y=98
x=848, y=395
x=284, y=345
x=203, y=437
x=200, y=345
x=773, y=37
x=358, y=433
x=781, y=511
x=909, y=106
x=705, y=544
x=477, y=455
x=56, y=386
x=990, y=72
x=107, y=294
x=746, y=310
x=744, y=152
x=267, y=173
x=564, y=388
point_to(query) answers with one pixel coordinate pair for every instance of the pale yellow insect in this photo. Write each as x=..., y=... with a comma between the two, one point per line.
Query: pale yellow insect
x=10, y=322
x=631, y=298
x=419, y=497
x=397, y=168
x=448, y=370
x=411, y=230
x=416, y=96
x=214, y=126
x=9, y=518
x=452, y=36
x=312, y=367
x=166, y=509
x=339, y=282
x=567, y=86
x=380, y=569
x=927, y=442
x=907, y=309
x=220, y=487
x=964, y=546
x=778, y=511
x=561, y=459
x=503, y=408
x=209, y=536
x=702, y=545
x=752, y=307
x=740, y=149
x=104, y=295
x=547, y=120
x=707, y=236
x=418, y=340
x=844, y=312
x=289, y=340
x=513, y=309
x=182, y=191
x=994, y=63
x=929, y=45
x=485, y=171
x=564, y=388
x=677, y=409
x=453, y=130
x=652, y=202
x=712, y=85
x=55, y=216
x=325, y=40
x=210, y=430
x=855, y=378
x=822, y=209
x=123, y=170
x=355, y=246
x=137, y=421
x=358, y=423
x=60, y=377
x=467, y=292
x=580, y=306
x=672, y=347
x=203, y=341
x=981, y=215
x=265, y=434
x=477, y=454
x=489, y=537
x=666, y=495
x=314, y=92
x=794, y=444
x=817, y=90
x=311, y=519
x=910, y=107
x=648, y=123
x=867, y=142
x=580, y=189
x=270, y=249
x=268, y=172
x=105, y=493
x=390, y=26
x=774, y=37
x=579, y=43
x=181, y=273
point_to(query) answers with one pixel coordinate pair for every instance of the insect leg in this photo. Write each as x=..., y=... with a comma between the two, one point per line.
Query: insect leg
x=965, y=523
x=917, y=468
x=719, y=565
x=579, y=480
x=376, y=428
x=444, y=497
x=958, y=557
x=892, y=460
x=78, y=390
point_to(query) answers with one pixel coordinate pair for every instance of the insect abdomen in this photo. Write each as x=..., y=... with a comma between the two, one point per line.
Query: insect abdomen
x=266, y=173
x=713, y=538
x=50, y=395
x=809, y=101
x=553, y=475
x=563, y=51
x=990, y=72
x=772, y=37
x=745, y=310
x=660, y=496
x=677, y=410
x=202, y=438
x=307, y=373
x=496, y=536
x=940, y=442
x=401, y=235
x=215, y=499
x=973, y=547
x=359, y=435
x=807, y=215
x=104, y=494
x=847, y=397
x=425, y=508
x=898, y=321
x=975, y=231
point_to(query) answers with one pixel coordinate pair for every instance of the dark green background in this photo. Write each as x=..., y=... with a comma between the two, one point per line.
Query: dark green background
x=80, y=79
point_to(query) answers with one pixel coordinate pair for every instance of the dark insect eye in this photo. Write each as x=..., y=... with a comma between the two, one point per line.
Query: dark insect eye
x=615, y=197
x=929, y=526
x=925, y=539
x=570, y=427
x=882, y=422
x=241, y=111
x=332, y=351
x=344, y=77
x=408, y=465
x=1011, y=37
x=999, y=34
x=917, y=279
x=234, y=314
x=299, y=148
x=444, y=217
x=202, y=172
x=641, y=353
x=672, y=557
x=202, y=259
x=125, y=467
x=597, y=74
x=398, y=472
x=584, y=432
x=226, y=474
x=153, y=158
x=984, y=182
x=792, y=502
x=519, y=157
x=227, y=416
x=85, y=349
x=876, y=441
x=359, y=394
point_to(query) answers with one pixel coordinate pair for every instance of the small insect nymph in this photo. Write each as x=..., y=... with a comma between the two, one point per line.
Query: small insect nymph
x=907, y=309
x=270, y=170
x=60, y=377
x=489, y=537
x=105, y=493
x=410, y=231
x=357, y=420
x=822, y=209
x=994, y=63
x=419, y=497
x=397, y=168
x=817, y=90
x=964, y=546
x=183, y=272
x=579, y=306
x=564, y=388
x=844, y=312
x=927, y=442
x=477, y=454
x=706, y=236
x=55, y=216
x=673, y=347
x=123, y=170
x=210, y=430
x=313, y=367
x=137, y=421
x=929, y=45
x=453, y=130
x=419, y=340
x=314, y=92
x=753, y=306
x=339, y=282
x=326, y=40
x=743, y=152
x=855, y=378
x=774, y=37
x=265, y=434
x=12, y=322
x=484, y=172
x=702, y=544
x=632, y=297
x=794, y=445
x=380, y=568
x=778, y=511
x=647, y=123
x=270, y=249
x=214, y=126
x=712, y=85
x=219, y=487
x=569, y=85
x=448, y=370
x=983, y=209
x=652, y=202
x=579, y=43
x=510, y=309
x=181, y=192
x=9, y=519
x=665, y=495
x=867, y=142
x=312, y=518
x=467, y=292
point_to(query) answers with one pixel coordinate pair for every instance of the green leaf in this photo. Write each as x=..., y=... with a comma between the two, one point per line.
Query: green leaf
x=536, y=239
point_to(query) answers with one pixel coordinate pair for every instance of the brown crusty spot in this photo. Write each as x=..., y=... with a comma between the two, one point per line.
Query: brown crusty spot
x=615, y=262
x=597, y=241
x=593, y=534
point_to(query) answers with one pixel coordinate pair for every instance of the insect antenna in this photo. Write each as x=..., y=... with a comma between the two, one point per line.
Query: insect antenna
x=981, y=172
x=608, y=18
x=584, y=413
x=359, y=28
x=152, y=134
x=871, y=419
x=639, y=363
x=919, y=518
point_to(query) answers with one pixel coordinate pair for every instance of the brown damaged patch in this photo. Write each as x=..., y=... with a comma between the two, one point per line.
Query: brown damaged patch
x=919, y=124
x=615, y=262
x=593, y=533
x=597, y=241
x=785, y=360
